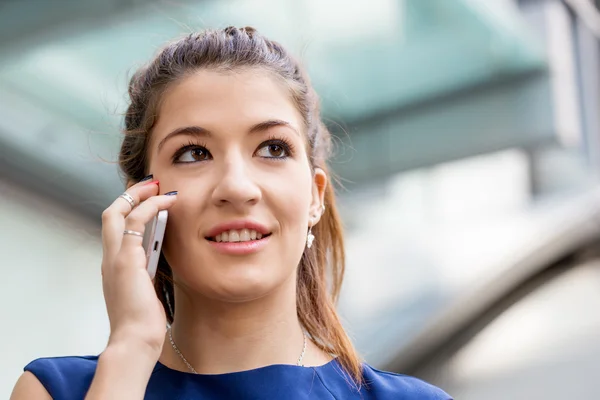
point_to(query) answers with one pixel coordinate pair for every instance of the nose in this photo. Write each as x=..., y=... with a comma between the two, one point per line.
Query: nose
x=236, y=186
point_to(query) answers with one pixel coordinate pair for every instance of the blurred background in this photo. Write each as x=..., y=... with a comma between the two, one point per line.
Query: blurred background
x=468, y=144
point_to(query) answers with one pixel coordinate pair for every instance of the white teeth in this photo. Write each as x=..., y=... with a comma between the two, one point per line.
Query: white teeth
x=242, y=235
x=234, y=236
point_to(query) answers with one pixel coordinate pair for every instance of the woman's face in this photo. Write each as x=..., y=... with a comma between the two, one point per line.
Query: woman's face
x=233, y=145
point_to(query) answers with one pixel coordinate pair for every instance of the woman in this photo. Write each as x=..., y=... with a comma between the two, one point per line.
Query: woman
x=224, y=131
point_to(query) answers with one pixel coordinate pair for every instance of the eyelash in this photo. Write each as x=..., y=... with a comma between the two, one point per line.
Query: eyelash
x=189, y=146
x=287, y=146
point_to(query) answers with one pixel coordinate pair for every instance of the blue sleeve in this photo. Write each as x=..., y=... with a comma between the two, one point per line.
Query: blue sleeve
x=64, y=378
x=387, y=385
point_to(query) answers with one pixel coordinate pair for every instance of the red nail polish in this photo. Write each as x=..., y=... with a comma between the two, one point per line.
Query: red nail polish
x=155, y=182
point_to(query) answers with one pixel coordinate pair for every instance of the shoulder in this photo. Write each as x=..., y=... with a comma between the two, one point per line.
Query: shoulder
x=388, y=385
x=28, y=387
x=64, y=377
x=377, y=385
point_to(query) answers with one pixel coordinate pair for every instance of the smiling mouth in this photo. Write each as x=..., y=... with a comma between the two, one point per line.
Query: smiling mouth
x=238, y=235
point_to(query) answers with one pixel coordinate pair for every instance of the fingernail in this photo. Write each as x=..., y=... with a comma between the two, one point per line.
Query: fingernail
x=147, y=178
x=151, y=183
x=173, y=193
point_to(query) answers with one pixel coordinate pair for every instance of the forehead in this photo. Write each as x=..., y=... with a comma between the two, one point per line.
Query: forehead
x=225, y=100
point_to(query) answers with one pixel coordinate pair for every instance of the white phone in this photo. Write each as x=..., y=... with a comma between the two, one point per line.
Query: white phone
x=153, y=239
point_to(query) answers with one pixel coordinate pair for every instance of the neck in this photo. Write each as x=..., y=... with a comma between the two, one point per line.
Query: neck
x=219, y=337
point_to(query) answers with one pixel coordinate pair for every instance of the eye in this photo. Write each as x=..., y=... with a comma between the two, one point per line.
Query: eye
x=191, y=153
x=275, y=148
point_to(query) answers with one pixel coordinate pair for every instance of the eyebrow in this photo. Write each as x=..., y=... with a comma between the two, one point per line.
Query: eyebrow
x=199, y=131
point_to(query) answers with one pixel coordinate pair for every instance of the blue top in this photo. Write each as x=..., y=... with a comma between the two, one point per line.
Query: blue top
x=68, y=378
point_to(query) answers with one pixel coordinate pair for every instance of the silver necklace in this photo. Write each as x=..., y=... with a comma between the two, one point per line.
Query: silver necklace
x=299, y=363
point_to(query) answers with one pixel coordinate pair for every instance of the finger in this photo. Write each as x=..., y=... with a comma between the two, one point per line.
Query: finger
x=113, y=218
x=130, y=251
x=139, y=193
x=136, y=220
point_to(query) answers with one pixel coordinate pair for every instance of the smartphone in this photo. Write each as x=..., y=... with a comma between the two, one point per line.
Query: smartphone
x=153, y=239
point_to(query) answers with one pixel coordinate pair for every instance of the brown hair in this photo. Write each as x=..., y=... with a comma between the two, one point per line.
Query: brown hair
x=226, y=50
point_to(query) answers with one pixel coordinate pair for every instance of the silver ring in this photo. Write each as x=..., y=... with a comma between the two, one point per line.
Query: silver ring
x=129, y=199
x=135, y=233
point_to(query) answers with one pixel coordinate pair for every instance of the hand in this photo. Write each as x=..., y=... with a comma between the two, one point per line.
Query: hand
x=135, y=313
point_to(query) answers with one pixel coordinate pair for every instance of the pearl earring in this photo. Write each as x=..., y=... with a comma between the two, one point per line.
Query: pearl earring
x=309, y=238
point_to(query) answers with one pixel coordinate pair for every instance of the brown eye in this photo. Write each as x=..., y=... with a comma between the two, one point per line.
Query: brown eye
x=273, y=150
x=276, y=150
x=199, y=154
x=191, y=154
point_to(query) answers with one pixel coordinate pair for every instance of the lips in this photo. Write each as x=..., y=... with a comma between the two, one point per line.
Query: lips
x=239, y=243
x=237, y=231
x=238, y=235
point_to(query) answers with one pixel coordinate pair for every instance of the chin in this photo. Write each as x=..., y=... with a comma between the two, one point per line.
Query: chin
x=248, y=284
x=242, y=283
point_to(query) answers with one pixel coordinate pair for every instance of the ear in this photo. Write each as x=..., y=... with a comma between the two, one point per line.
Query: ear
x=318, y=196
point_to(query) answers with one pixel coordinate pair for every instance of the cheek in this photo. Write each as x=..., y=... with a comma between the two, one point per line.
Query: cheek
x=183, y=221
x=290, y=196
